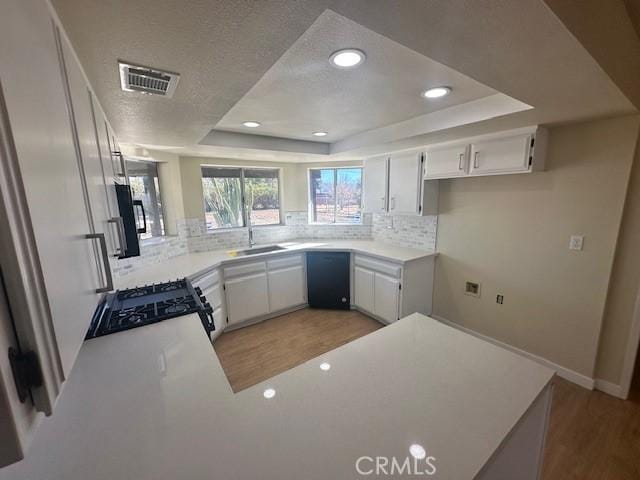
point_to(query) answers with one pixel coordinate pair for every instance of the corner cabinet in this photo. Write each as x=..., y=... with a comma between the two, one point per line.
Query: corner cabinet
x=375, y=174
x=515, y=151
x=393, y=184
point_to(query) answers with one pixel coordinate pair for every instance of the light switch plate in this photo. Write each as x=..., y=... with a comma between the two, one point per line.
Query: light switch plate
x=576, y=242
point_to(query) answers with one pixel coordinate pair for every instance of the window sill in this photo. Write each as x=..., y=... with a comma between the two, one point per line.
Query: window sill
x=157, y=240
x=231, y=229
x=315, y=224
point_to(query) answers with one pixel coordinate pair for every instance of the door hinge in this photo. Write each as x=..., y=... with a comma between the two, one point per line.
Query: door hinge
x=224, y=286
x=26, y=372
x=399, y=286
x=227, y=319
x=419, y=208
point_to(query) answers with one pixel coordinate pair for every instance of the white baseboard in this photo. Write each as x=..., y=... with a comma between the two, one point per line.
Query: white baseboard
x=610, y=388
x=563, y=372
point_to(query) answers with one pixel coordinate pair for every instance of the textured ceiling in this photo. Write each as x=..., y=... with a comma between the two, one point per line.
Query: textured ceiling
x=303, y=93
x=223, y=49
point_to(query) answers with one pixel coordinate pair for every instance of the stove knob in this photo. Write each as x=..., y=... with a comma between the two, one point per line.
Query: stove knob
x=198, y=290
x=203, y=299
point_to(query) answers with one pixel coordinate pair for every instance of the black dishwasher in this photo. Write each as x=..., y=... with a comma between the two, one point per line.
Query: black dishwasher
x=328, y=280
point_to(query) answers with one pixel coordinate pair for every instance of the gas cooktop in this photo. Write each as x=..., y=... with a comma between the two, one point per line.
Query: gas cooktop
x=136, y=307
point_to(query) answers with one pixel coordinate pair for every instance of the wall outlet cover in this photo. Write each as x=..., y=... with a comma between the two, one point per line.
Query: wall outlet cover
x=472, y=288
x=576, y=242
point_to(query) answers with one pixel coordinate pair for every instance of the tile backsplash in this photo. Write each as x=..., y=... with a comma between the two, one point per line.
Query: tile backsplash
x=408, y=231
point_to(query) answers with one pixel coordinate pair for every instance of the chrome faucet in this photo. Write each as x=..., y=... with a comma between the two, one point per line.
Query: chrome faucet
x=251, y=241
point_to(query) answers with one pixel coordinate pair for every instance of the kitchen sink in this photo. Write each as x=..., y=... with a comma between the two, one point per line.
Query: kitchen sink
x=255, y=251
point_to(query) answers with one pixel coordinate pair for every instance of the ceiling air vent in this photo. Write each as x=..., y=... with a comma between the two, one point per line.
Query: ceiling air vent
x=135, y=78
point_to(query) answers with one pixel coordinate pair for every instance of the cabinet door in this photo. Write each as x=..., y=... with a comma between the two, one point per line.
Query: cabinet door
x=405, y=181
x=364, y=289
x=386, y=297
x=375, y=184
x=38, y=114
x=286, y=288
x=447, y=163
x=89, y=150
x=113, y=212
x=247, y=297
x=502, y=155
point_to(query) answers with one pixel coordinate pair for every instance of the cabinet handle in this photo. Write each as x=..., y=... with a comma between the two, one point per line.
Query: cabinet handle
x=382, y=206
x=143, y=229
x=393, y=203
x=105, y=261
x=476, y=159
x=122, y=238
x=123, y=171
x=461, y=162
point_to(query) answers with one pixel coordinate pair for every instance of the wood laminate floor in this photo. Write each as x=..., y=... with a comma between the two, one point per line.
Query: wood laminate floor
x=592, y=436
x=253, y=354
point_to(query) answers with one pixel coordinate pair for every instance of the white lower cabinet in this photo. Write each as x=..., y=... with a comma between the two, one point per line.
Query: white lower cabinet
x=377, y=287
x=389, y=290
x=364, y=289
x=247, y=297
x=377, y=293
x=386, y=297
x=286, y=288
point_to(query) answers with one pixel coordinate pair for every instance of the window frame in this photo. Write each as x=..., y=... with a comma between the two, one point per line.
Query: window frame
x=245, y=212
x=161, y=216
x=335, y=195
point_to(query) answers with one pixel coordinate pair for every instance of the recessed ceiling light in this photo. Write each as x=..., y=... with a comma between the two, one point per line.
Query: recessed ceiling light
x=325, y=366
x=347, y=58
x=269, y=393
x=436, y=92
x=251, y=124
x=417, y=451
x=320, y=134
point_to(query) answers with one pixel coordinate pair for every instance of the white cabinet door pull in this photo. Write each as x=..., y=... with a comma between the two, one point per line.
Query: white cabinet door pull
x=476, y=160
x=393, y=203
x=382, y=206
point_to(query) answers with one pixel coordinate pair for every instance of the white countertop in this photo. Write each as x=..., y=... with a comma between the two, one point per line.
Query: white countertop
x=193, y=263
x=153, y=403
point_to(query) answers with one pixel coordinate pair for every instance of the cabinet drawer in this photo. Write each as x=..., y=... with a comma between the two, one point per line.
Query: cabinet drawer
x=284, y=262
x=206, y=281
x=388, y=268
x=244, y=269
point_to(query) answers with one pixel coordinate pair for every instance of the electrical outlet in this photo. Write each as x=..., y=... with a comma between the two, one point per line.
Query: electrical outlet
x=472, y=288
x=500, y=299
x=576, y=241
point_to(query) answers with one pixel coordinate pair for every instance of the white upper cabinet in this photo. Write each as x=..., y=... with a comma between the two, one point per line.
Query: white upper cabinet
x=515, y=151
x=89, y=149
x=375, y=184
x=447, y=162
x=405, y=183
x=501, y=155
x=51, y=268
x=115, y=233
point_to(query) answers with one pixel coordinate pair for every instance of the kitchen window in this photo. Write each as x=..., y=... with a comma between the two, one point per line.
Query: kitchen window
x=145, y=186
x=335, y=195
x=234, y=196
